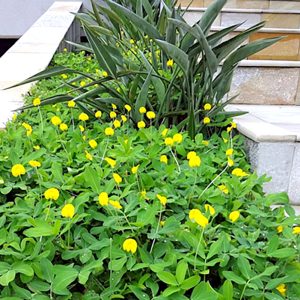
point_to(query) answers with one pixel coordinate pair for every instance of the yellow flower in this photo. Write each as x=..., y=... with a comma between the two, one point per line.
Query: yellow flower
x=55, y=120
x=230, y=162
x=164, y=159
x=104, y=74
x=117, y=123
x=195, y=215
x=109, y=131
x=223, y=188
x=112, y=114
x=130, y=245
x=141, y=124
x=68, y=211
x=36, y=147
x=229, y=151
x=233, y=124
x=195, y=161
x=206, y=120
x=205, y=143
x=81, y=128
x=115, y=204
x=131, y=41
x=93, y=144
x=88, y=156
x=71, y=103
x=114, y=106
x=63, y=127
x=28, y=128
x=18, y=170
x=36, y=101
x=164, y=132
x=162, y=223
x=281, y=288
x=170, y=63
x=142, y=110
x=127, y=107
x=124, y=118
x=83, y=117
x=51, y=194
x=234, y=215
x=110, y=161
x=296, y=230
x=279, y=228
x=134, y=170
x=82, y=83
x=98, y=114
x=34, y=163
x=177, y=138
x=209, y=208
x=117, y=178
x=207, y=106
x=228, y=129
x=169, y=141
x=64, y=76
x=103, y=198
x=191, y=154
x=143, y=193
x=150, y=115
x=238, y=172
x=162, y=199
x=14, y=117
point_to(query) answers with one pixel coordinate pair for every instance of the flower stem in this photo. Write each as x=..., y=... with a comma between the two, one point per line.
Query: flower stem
x=198, y=246
x=156, y=231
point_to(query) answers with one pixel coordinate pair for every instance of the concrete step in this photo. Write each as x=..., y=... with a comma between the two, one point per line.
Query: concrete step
x=272, y=142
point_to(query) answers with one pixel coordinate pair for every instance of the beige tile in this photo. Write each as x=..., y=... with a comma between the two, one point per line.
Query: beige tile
x=193, y=17
x=249, y=19
x=255, y=85
x=195, y=3
x=281, y=20
x=285, y=49
x=285, y=5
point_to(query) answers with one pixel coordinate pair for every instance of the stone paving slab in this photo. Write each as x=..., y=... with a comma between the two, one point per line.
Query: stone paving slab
x=32, y=53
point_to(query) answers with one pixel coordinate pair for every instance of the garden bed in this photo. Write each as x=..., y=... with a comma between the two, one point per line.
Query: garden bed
x=92, y=208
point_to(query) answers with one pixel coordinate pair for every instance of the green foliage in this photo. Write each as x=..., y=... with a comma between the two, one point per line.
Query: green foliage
x=45, y=255
x=153, y=58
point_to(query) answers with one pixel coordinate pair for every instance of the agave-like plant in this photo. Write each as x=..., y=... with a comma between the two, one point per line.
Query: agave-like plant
x=136, y=43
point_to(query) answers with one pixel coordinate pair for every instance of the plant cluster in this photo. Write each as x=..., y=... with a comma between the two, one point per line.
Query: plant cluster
x=152, y=58
x=92, y=208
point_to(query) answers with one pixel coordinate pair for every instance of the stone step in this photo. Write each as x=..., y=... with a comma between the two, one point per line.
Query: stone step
x=246, y=4
x=272, y=142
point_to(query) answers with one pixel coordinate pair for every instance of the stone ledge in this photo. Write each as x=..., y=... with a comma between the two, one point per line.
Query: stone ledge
x=272, y=142
x=32, y=53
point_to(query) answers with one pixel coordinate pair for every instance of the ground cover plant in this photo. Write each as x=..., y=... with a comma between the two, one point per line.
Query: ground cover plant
x=93, y=208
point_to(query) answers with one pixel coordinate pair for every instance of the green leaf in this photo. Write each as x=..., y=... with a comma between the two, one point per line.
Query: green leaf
x=64, y=276
x=139, y=22
x=24, y=268
x=138, y=292
x=42, y=228
x=103, y=57
x=283, y=253
x=7, y=277
x=233, y=277
x=215, y=248
x=204, y=291
x=47, y=269
x=117, y=264
x=142, y=97
x=244, y=266
x=227, y=289
x=190, y=282
x=170, y=290
x=92, y=179
x=179, y=56
x=181, y=271
x=167, y=277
